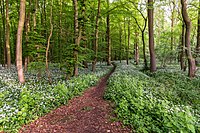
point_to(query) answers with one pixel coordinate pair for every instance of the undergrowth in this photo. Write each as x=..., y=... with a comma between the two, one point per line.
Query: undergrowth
x=159, y=102
x=21, y=104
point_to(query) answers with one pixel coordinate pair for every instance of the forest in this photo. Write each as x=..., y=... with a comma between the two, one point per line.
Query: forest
x=119, y=66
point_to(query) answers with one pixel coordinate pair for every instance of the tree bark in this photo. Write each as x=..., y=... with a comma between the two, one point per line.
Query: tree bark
x=182, y=54
x=4, y=39
x=61, y=32
x=83, y=25
x=191, y=60
x=129, y=37
x=48, y=44
x=19, y=41
x=108, y=36
x=136, y=48
x=172, y=26
x=198, y=36
x=120, y=40
x=8, y=36
x=96, y=36
x=151, y=36
x=144, y=50
x=125, y=48
x=76, y=33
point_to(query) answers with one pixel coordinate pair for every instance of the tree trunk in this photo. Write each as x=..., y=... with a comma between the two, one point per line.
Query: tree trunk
x=144, y=50
x=151, y=36
x=76, y=31
x=83, y=25
x=48, y=44
x=35, y=15
x=125, y=48
x=8, y=36
x=182, y=54
x=4, y=39
x=191, y=60
x=136, y=48
x=172, y=26
x=198, y=37
x=129, y=37
x=96, y=36
x=108, y=37
x=19, y=41
x=120, y=47
x=60, y=33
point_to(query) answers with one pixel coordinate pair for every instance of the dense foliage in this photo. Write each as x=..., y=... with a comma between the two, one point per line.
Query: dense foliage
x=168, y=101
x=20, y=104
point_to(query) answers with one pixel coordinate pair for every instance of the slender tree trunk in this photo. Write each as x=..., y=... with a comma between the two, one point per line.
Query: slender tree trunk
x=120, y=47
x=125, y=48
x=151, y=36
x=144, y=50
x=84, y=37
x=19, y=41
x=191, y=60
x=172, y=26
x=48, y=43
x=182, y=54
x=129, y=37
x=76, y=33
x=4, y=39
x=35, y=15
x=108, y=37
x=96, y=36
x=45, y=19
x=1, y=40
x=8, y=36
x=61, y=33
x=136, y=48
x=198, y=36
x=143, y=33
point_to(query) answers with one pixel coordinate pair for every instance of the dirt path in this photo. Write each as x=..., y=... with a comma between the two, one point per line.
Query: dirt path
x=88, y=113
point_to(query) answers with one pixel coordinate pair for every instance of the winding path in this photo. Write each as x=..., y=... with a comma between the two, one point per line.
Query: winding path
x=89, y=113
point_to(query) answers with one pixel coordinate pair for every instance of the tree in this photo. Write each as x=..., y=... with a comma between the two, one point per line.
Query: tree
x=198, y=35
x=182, y=53
x=108, y=36
x=151, y=36
x=142, y=29
x=3, y=33
x=187, y=21
x=19, y=41
x=120, y=41
x=8, y=36
x=172, y=24
x=83, y=28
x=136, y=48
x=96, y=36
x=48, y=43
x=129, y=37
x=76, y=34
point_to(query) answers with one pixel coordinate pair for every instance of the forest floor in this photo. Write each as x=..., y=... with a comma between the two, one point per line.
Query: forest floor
x=88, y=113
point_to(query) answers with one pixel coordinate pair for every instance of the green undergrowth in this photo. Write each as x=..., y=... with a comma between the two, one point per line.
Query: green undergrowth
x=160, y=102
x=21, y=104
